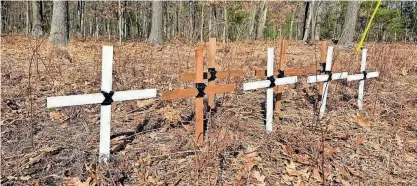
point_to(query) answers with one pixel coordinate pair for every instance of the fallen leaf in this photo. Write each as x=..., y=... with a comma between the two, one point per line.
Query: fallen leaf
x=345, y=183
x=150, y=179
x=399, y=141
x=354, y=172
x=316, y=175
x=342, y=171
x=188, y=128
x=143, y=103
x=259, y=177
x=361, y=140
x=56, y=115
x=249, y=165
x=363, y=122
x=409, y=158
x=24, y=178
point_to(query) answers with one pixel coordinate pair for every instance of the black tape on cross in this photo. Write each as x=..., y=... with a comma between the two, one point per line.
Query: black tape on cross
x=213, y=73
x=364, y=75
x=272, y=80
x=323, y=67
x=200, y=87
x=330, y=75
x=281, y=73
x=107, y=97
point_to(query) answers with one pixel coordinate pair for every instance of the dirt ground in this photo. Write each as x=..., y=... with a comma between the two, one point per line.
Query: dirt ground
x=152, y=140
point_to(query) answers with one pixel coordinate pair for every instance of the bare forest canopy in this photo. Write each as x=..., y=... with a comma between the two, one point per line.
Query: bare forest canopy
x=193, y=21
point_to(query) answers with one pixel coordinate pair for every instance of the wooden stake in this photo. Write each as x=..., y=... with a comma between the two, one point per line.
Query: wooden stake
x=323, y=55
x=211, y=64
x=199, y=107
x=281, y=66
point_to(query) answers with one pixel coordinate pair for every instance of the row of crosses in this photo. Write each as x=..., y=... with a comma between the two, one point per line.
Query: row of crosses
x=274, y=80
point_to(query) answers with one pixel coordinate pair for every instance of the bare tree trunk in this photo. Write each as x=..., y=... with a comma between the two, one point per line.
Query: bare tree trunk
x=252, y=21
x=350, y=23
x=292, y=25
x=300, y=17
x=37, y=31
x=313, y=9
x=120, y=22
x=156, y=36
x=59, y=24
x=321, y=9
x=225, y=28
x=307, y=21
x=262, y=19
x=27, y=19
x=202, y=24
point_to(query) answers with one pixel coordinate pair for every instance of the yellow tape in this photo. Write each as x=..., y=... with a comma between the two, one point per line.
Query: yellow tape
x=358, y=49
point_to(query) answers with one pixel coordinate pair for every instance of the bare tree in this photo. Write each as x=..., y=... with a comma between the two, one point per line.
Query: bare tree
x=37, y=30
x=307, y=22
x=156, y=28
x=349, y=25
x=60, y=24
x=262, y=19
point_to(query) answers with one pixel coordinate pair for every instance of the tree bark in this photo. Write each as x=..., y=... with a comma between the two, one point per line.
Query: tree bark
x=225, y=28
x=252, y=21
x=37, y=31
x=350, y=23
x=307, y=20
x=60, y=24
x=156, y=36
x=262, y=19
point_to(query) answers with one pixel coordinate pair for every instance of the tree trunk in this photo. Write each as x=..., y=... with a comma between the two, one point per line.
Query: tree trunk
x=292, y=25
x=120, y=22
x=27, y=19
x=37, y=31
x=262, y=19
x=252, y=21
x=59, y=25
x=300, y=18
x=350, y=23
x=225, y=36
x=202, y=24
x=308, y=20
x=156, y=27
x=313, y=9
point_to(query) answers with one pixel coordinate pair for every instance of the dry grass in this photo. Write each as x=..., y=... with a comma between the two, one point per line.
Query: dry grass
x=155, y=137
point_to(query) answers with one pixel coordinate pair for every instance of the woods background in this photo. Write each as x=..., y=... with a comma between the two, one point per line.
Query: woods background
x=193, y=21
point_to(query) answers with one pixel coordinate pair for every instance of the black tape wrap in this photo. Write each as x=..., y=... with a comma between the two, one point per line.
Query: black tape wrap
x=323, y=67
x=281, y=73
x=213, y=73
x=330, y=75
x=107, y=97
x=200, y=87
x=364, y=74
x=272, y=80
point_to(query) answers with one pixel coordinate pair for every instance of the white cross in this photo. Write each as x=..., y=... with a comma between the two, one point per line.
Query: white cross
x=325, y=78
x=105, y=113
x=270, y=90
x=361, y=77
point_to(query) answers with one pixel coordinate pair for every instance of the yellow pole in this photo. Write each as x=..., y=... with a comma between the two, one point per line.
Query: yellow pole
x=358, y=49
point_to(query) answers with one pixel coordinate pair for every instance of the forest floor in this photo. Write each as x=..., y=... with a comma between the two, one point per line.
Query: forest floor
x=152, y=140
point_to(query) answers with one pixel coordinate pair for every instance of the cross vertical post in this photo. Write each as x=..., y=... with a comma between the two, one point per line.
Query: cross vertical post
x=281, y=69
x=105, y=113
x=270, y=91
x=199, y=107
x=211, y=66
x=362, y=77
x=326, y=84
x=269, y=83
x=323, y=55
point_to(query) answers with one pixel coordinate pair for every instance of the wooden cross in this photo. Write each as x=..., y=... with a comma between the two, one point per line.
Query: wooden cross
x=362, y=77
x=270, y=83
x=212, y=74
x=283, y=71
x=106, y=97
x=198, y=92
x=326, y=78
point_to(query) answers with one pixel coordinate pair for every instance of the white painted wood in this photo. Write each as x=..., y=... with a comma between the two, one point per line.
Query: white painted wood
x=360, y=77
x=325, y=77
x=269, y=92
x=105, y=113
x=267, y=83
x=63, y=101
x=256, y=85
x=356, y=77
x=326, y=84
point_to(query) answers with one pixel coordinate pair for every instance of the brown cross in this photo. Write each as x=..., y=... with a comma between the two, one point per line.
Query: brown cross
x=212, y=71
x=198, y=92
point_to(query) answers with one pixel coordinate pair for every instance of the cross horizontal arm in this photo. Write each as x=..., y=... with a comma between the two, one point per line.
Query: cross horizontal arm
x=288, y=72
x=267, y=83
x=219, y=74
x=360, y=76
x=186, y=93
x=325, y=77
x=62, y=101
